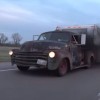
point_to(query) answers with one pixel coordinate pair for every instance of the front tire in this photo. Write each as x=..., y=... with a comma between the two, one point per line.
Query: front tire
x=62, y=68
x=23, y=68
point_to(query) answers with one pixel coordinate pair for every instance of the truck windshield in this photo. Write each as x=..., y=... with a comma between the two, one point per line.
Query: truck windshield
x=55, y=36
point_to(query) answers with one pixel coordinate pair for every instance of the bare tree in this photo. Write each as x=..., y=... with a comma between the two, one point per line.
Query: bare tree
x=16, y=38
x=3, y=38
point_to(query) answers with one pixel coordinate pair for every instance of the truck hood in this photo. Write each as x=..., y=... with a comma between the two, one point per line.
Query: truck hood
x=33, y=46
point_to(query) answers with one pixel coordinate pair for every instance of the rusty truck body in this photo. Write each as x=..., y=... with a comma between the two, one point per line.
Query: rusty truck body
x=60, y=50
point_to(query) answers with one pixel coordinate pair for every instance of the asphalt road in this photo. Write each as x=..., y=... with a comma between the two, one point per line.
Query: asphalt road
x=80, y=84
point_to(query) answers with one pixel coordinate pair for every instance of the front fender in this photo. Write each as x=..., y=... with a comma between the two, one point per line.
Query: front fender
x=53, y=63
x=13, y=56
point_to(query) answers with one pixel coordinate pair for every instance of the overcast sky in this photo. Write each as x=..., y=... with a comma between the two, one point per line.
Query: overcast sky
x=29, y=17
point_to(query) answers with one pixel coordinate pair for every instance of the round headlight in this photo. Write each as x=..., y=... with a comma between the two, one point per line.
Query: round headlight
x=10, y=53
x=52, y=54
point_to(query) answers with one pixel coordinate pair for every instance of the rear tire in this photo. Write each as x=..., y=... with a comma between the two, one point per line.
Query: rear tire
x=23, y=68
x=90, y=61
x=63, y=68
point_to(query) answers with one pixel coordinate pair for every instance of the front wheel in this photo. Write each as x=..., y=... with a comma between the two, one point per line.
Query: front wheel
x=23, y=68
x=62, y=68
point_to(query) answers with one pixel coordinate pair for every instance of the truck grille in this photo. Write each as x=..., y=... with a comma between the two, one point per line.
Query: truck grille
x=29, y=58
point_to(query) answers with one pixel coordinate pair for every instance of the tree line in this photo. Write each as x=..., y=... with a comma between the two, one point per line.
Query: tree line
x=14, y=41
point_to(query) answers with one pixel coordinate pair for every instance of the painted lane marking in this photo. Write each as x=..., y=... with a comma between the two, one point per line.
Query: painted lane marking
x=7, y=70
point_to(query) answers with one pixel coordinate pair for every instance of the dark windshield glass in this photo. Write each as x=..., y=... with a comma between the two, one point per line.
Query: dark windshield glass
x=55, y=36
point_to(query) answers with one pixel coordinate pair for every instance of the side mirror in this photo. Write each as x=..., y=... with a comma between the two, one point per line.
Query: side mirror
x=83, y=39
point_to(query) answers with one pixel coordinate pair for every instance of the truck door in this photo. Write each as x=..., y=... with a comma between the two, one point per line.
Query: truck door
x=76, y=51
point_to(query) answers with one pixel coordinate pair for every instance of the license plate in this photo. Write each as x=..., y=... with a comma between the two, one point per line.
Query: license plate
x=41, y=62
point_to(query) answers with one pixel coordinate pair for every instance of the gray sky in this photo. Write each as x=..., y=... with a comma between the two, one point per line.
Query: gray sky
x=29, y=17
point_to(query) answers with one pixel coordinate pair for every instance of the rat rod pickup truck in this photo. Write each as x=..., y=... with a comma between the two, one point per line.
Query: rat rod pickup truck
x=61, y=50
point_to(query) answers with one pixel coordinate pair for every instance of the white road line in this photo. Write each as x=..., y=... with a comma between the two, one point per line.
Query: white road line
x=7, y=70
